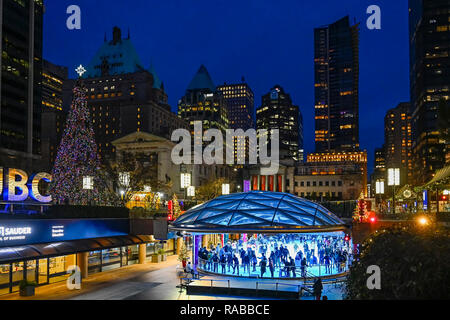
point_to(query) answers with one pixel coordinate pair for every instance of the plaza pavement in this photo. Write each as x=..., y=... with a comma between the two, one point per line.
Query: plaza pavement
x=148, y=281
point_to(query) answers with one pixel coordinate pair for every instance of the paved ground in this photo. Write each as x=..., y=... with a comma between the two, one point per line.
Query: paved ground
x=138, y=282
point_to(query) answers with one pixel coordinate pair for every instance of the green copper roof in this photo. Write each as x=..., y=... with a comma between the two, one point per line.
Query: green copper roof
x=202, y=80
x=116, y=57
x=157, y=81
x=119, y=58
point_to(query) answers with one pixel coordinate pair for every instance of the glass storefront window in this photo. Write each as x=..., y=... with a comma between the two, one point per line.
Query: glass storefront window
x=94, y=262
x=31, y=271
x=133, y=254
x=150, y=248
x=42, y=273
x=17, y=275
x=124, y=256
x=4, y=278
x=169, y=247
x=58, y=267
x=110, y=259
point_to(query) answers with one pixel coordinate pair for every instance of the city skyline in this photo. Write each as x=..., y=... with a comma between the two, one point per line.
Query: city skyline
x=292, y=66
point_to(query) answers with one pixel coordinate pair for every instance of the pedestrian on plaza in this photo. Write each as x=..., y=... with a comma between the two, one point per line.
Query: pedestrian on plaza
x=317, y=288
x=189, y=269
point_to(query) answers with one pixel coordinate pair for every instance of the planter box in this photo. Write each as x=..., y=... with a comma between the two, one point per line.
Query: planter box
x=27, y=291
x=156, y=258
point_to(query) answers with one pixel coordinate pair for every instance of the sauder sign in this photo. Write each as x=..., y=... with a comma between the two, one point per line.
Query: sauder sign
x=15, y=185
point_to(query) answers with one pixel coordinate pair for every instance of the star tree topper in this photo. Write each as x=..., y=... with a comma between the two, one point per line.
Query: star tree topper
x=80, y=70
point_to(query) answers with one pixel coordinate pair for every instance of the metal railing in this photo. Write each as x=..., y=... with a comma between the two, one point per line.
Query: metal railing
x=288, y=272
x=258, y=284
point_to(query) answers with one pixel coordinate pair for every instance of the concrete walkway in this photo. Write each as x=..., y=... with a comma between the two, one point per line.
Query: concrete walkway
x=148, y=281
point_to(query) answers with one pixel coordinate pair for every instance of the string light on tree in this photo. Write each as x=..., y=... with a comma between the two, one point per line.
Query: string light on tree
x=76, y=178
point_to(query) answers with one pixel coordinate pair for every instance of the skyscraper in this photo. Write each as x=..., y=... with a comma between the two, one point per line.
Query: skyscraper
x=397, y=139
x=20, y=90
x=53, y=115
x=203, y=102
x=278, y=112
x=429, y=25
x=240, y=102
x=336, y=66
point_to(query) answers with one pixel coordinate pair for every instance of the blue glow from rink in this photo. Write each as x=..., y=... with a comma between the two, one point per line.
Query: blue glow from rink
x=302, y=255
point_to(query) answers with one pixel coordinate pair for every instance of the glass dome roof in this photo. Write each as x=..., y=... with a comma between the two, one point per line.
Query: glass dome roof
x=257, y=209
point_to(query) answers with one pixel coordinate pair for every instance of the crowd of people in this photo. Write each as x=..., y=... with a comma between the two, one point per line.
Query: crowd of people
x=278, y=256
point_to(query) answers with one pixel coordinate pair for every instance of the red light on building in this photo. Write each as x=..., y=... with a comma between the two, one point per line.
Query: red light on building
x=347, y=238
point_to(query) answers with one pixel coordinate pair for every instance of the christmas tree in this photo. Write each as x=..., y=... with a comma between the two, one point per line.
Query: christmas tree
x=76, y=178
x=176, y=207
x=361, y=214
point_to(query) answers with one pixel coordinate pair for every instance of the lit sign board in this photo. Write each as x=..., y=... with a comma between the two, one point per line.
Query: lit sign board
x=24, y=232
x=15, y=185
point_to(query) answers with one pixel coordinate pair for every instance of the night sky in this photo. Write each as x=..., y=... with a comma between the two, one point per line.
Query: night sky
x=268, y=42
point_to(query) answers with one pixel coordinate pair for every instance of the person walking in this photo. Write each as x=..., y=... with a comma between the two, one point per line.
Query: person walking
x=262, y=265
x=317, y=288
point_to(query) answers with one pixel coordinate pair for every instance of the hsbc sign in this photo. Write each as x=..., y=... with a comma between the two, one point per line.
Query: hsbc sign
x=15, y=185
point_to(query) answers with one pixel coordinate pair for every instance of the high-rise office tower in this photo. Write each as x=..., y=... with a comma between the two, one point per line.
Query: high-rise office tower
x=203, y=102
x=429, y=35
x=123, y=96
x=240, y=102
x=398, y=141
x=336, y=66
x=278, y=112
x=53, y=115
x=20, y=90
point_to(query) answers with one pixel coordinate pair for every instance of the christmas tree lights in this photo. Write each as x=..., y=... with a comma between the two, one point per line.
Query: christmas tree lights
x=77, y=159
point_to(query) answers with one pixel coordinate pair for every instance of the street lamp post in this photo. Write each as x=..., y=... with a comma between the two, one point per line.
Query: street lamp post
x=393, y=181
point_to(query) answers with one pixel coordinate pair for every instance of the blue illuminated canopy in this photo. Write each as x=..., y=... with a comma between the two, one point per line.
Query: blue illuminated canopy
x=258, y=211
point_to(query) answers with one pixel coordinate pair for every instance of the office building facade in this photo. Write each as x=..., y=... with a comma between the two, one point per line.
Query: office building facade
x=278, y=112
x=20, y=91
x=398, y=141
x=240, y=102
x=430, y=81
x=53, y=115
x=203, y=102
x=336, y=69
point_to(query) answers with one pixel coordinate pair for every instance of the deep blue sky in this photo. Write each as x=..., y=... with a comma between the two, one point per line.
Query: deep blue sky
x=268, y=42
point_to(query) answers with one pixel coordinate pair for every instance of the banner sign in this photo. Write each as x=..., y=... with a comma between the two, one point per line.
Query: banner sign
x=24, y=232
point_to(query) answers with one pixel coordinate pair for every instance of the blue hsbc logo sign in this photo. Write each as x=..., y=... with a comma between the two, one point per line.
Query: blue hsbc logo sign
x=15, y=185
